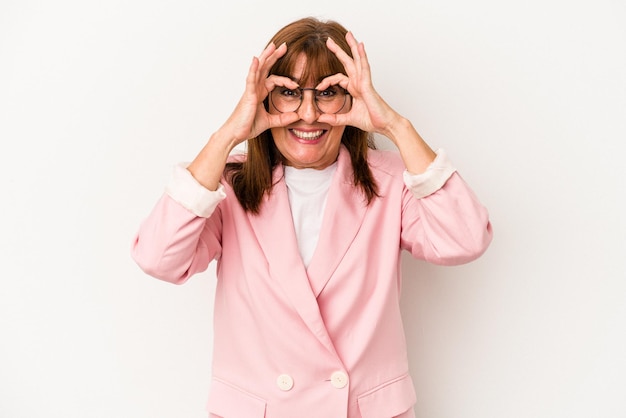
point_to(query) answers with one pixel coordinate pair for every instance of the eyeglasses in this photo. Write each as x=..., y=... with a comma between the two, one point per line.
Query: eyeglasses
x=331, y=100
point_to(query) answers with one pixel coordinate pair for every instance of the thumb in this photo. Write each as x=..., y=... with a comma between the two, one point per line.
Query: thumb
x=283, y=119
x=334, y=119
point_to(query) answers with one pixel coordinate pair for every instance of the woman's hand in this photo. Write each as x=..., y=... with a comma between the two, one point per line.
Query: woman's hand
x=249, y=119
x=369, y=111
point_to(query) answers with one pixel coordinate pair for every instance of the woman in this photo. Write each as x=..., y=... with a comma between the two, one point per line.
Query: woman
x=307, y=229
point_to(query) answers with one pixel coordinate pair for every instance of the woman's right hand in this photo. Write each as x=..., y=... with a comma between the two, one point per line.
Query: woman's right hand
x=249, y=119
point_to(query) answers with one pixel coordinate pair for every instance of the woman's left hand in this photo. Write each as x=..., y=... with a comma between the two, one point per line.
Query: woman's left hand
x=369, y=111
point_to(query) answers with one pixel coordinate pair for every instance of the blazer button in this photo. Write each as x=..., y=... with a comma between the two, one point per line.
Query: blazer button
x=284, y=382
x=339, y=380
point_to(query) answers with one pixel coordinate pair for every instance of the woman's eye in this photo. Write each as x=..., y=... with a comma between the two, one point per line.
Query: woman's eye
x=289, y=93
x=329, y=92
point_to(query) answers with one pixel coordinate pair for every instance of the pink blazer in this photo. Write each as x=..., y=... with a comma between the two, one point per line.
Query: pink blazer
x=325, y=341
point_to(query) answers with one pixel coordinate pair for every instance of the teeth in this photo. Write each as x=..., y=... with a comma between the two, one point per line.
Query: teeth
x=308, y=135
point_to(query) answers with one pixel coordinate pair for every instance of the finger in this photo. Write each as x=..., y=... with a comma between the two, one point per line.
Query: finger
x=341, y=55
x=268, y=51
x=270, y=59
x=365, y=63
x=354, y=48
x=251, y=78
x=338, y=79
x=339, y=119
x=282, y=119
x=276, y=80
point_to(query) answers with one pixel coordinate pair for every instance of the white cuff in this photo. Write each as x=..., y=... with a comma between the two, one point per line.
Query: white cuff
x=431, y=180
x=186, y=190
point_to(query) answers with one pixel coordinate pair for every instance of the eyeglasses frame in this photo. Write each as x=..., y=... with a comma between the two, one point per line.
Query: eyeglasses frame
x=302, y=90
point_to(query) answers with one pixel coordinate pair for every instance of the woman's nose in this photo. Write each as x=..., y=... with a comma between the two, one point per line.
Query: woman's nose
x=308, y=109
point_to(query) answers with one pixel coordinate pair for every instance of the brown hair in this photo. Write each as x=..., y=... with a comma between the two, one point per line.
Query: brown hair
x=252, y=178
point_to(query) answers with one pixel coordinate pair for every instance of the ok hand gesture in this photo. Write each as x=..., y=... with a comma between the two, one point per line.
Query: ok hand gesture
x=369, y=111
x=250, y=118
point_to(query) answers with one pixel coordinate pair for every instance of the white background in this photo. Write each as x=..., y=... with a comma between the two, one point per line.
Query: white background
x=98, y=99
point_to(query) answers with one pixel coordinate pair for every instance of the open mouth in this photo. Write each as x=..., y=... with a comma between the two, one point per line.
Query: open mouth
x=308, y=135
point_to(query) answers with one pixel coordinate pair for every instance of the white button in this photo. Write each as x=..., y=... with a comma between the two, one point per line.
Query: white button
x=339, y=380
x=284, y=382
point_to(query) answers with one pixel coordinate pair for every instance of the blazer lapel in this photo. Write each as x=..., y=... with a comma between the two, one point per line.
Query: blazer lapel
x=345, y=209
x=275, y=232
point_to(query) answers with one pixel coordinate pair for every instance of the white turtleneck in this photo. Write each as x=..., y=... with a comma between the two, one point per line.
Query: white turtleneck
x=308, y=189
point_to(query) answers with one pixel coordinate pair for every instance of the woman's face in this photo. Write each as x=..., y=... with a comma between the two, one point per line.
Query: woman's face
x=307, y=143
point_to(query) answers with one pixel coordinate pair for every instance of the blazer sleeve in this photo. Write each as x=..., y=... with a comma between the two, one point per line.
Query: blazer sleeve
x=182, y=234
x=443, y=222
